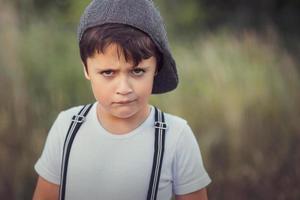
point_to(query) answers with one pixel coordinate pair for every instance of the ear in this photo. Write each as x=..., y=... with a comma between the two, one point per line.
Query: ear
x=86, y=74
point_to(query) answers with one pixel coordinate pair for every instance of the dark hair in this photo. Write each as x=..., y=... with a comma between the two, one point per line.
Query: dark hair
x=133, y=43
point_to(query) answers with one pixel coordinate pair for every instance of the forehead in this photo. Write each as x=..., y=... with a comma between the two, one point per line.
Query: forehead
x=113, y=55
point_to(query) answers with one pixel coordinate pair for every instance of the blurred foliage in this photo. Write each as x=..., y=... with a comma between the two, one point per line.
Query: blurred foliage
x=191, y=15
x=246, y=91
x=239, y=89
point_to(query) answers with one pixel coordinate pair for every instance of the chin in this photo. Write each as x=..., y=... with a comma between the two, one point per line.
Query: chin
x=125, y=113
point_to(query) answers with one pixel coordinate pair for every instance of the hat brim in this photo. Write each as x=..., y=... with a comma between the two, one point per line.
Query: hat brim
x=166, y=79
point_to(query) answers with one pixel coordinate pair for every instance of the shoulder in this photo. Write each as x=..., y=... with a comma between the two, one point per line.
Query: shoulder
x=64, y=119
x=67, y=114
x=175, y=122
x=178, y=128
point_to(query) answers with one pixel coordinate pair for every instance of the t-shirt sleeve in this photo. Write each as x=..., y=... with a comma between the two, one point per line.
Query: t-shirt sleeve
x=48, y=165
x=188, y=169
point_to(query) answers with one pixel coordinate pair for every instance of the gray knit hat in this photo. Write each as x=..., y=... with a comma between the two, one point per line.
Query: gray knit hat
x=142, y=15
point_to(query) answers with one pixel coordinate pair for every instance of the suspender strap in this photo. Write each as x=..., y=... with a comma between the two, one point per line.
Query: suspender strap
x=159, y=146
x=77, y=121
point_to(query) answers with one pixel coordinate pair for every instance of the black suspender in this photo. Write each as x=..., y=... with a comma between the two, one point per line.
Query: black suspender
x=159, y=146
x=77, y=121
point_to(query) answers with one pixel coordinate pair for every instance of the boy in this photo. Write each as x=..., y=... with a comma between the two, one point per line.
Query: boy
x=115, y=155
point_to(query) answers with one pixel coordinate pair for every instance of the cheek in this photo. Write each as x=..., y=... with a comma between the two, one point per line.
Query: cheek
x=100, y=92
x=145, y=88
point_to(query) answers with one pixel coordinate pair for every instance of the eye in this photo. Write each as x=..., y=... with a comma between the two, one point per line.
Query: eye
x=138, y=71
x=107, y=73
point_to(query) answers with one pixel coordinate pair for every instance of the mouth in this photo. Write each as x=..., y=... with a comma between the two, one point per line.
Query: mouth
x=124, y=102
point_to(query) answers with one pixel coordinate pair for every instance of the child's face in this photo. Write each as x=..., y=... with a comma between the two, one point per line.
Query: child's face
x=121, y=90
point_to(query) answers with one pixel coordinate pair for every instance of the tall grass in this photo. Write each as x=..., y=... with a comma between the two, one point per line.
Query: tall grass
x=238, y=91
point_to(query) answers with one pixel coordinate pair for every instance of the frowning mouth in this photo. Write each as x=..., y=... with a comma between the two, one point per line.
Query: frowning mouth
x=124, y=102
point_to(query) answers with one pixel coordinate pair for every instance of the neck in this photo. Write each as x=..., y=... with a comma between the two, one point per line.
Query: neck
x=120, y=126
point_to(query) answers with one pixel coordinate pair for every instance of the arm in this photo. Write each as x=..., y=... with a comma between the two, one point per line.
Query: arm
x=45, y=190
x=49, y=164
x=190, y=176
x=198, y=195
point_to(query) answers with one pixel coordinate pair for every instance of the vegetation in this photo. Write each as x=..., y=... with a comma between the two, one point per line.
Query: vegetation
x=239, y=90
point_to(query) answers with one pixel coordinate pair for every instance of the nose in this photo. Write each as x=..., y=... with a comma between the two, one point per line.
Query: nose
x=124, y=86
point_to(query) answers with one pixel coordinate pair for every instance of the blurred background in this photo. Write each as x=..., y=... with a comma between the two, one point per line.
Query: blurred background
x=239, y=89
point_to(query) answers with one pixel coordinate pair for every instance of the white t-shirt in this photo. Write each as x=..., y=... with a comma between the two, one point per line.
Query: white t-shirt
x=103, y=165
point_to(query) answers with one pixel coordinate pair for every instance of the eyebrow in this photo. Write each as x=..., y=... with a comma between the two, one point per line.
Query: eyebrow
x=139, y=66
x=114, y=68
